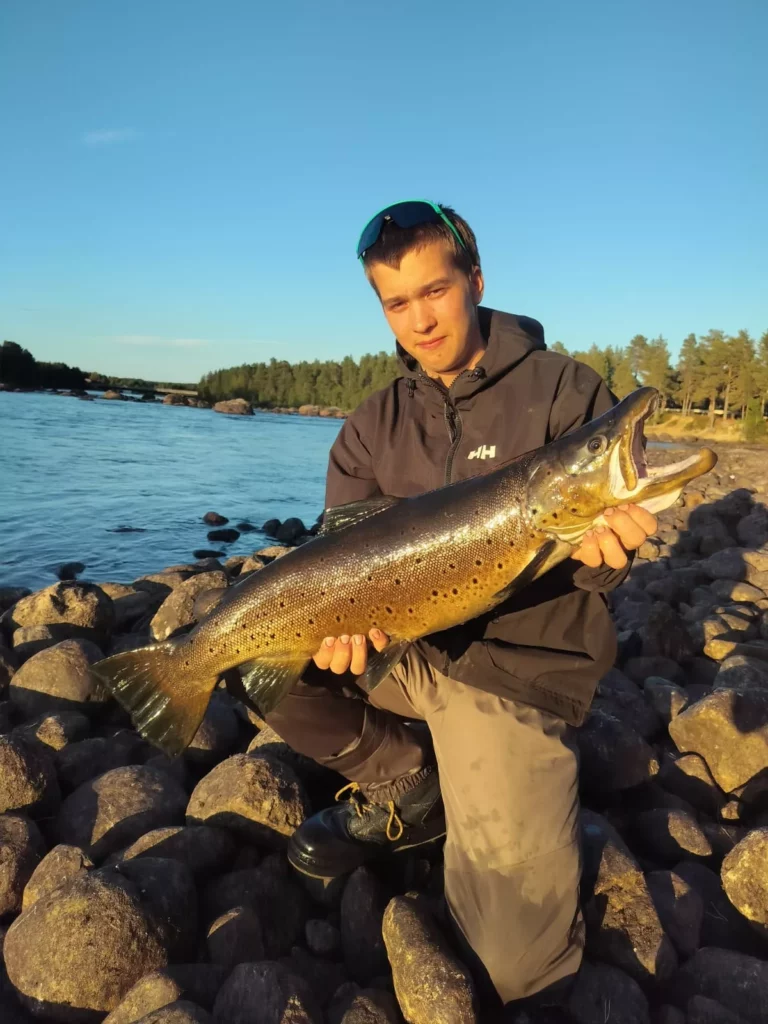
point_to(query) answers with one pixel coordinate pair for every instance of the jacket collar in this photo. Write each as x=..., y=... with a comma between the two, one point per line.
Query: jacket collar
x=510, y=339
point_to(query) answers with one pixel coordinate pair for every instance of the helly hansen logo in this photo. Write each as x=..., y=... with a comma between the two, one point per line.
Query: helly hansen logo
x=485, y=451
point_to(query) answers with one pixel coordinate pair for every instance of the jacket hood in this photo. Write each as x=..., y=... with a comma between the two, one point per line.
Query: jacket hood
x=510, y=338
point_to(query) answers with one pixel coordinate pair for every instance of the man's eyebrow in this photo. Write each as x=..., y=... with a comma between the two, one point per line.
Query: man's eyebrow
x=439, y=283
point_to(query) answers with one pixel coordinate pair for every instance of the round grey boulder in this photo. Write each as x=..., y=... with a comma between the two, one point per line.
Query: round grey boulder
x=116, y=808
x=60, y=865
x=27, y=779
x=21, y=847
x=206, y=851
x=57, y=679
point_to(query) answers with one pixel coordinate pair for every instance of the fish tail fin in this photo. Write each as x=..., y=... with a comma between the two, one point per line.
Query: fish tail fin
x=266, y=682
x=147, y=684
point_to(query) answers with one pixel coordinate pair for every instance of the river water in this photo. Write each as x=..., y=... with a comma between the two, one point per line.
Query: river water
x=72, y=472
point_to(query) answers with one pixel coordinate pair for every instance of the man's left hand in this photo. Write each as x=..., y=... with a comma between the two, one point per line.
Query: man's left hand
x=629, y=526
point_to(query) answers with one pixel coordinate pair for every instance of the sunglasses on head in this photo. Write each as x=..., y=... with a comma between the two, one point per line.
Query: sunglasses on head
x=406, y=215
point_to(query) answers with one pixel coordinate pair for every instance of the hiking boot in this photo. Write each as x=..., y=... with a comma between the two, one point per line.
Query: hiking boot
x=376, y=819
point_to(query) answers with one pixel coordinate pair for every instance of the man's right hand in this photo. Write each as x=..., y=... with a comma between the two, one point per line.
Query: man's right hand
x=343, y=653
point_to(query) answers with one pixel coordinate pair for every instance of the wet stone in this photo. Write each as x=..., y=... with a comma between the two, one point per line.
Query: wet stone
x=281, y=997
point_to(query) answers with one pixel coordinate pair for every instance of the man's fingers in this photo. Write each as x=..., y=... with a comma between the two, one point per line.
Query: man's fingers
x=612, y=553
x=359, y=654
x=589, y=552
x=647, y=522
x=342, y=655
x=629, y=532
x=323, y=657
x=378, y=639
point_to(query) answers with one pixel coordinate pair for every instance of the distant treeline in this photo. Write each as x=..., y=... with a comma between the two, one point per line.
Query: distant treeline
x=102, y=380
x=726, y=374
x=280, y=383
x=20, y=369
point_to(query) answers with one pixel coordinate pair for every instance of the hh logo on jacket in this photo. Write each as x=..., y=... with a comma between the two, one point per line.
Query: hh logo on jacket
x=485, y=451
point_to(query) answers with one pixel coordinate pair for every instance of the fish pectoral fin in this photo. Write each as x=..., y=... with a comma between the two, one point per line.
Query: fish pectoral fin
x=381, y=663
x=341, y=516
x=549, y=554
x=165, y=707
x=267, y=682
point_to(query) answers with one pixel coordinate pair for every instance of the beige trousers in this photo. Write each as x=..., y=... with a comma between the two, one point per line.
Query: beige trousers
x=508, y=775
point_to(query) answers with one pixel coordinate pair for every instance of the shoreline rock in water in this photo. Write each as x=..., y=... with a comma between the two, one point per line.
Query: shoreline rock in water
x=140, y=888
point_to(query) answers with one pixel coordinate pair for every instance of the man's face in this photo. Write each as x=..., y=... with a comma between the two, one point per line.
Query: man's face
x=431, y=307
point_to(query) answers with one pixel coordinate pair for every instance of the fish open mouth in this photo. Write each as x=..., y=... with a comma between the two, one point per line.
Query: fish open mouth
x=632, y=479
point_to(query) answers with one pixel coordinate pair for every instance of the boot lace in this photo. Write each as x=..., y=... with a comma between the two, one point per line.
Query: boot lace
x=362, y=807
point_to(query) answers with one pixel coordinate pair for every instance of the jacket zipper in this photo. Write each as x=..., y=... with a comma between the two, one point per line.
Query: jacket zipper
x=452, y=422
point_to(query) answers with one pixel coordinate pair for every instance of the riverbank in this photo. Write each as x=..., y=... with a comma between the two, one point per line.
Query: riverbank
x=690, y=429
x=131, y=862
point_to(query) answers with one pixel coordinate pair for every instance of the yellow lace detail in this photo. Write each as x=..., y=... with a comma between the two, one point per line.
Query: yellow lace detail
x=395, y=827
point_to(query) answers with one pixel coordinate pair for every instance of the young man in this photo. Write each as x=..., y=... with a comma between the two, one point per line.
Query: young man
x=500, y=695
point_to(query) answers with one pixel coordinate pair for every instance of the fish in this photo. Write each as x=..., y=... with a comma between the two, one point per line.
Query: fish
x=410, y=567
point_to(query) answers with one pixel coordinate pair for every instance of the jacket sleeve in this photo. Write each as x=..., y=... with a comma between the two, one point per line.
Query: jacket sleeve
x=350, y=468
x=581, y=396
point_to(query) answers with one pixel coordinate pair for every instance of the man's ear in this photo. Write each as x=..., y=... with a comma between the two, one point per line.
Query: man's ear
x=477, y=285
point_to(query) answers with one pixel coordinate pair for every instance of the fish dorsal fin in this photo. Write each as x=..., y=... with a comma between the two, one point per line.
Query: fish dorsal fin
x=548, y=555
x=381, y=663
x=341, y=516
x=267, y=682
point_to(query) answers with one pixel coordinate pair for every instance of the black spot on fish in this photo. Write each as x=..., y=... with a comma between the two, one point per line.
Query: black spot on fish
x=574, y=510
x=500, y=565
x=410, y=611
x=489, y=541
x=434, y=593
x=271, y=636
x=454, y=591
x=252, y=637
x=474, y=580
x=397, y=583
x=388, y=610
x=311, y=622
x=338, y=618
x=478, y=561
x=210, y=650
x=299, y=635
x=554, y=515
x=282, y=604
x=451, y=565
x=351, y=600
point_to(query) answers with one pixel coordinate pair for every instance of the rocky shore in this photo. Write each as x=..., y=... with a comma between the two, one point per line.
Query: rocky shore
x=133, y=888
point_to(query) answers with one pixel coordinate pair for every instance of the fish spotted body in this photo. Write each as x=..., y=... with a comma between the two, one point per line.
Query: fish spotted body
x=410, y=567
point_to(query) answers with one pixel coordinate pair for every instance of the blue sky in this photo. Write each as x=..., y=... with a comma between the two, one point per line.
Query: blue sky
x=183, y=183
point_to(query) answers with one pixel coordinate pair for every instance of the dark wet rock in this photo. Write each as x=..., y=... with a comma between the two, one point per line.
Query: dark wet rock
x=177, y=611
x=235, y=937
x=623, y=925
x=665, y=635
x=116, y=808
x=669, y=1015
x=735, y=980
x=233, y=565
x=323, y=938
x=725, y=564
x=181, y=1012
x=53, y=731
x=613, y=756
x=10, y=595
x=639, y=669
x=259, y=798
x=752, y=530
x=431, y=984
x=290, y=530
x=271, y=527
x=214, y=519
x=168, y=889
x=722, y=837
x=618, y=695
x=665, y=698
x=160, y=584
x=6, y=716
x=64, y=962
x=745, y=878
x=668, y=835
x=271, y=890
x=27, y=779
x=208, y=553
x=59, y=679
x=722, y=925
x=689, y=777
x=197, y=982
x=265, y=993
x=234, y=407
x=205, y=851
x=129, y=604
x=246, y=527
x=701, y=1010
x=30, y=640
x=217, y=736
x=70, y=570
x=58, y=866
x=8, y=665
x=605, y=995
x=354, y=1005
x=224, y=536
x=680, y=909
x=21, y=848
x=738, y=672
x=323, y=977
x=729, y=729
x=74, y=604
x=362, y=909
x=78, y=762
x=176, y=767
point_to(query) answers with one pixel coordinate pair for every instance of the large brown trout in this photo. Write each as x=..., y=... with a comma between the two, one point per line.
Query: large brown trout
x=408, y=566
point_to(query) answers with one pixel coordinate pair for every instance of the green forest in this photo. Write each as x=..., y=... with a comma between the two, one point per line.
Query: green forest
x=726, y=374
x=20, y=369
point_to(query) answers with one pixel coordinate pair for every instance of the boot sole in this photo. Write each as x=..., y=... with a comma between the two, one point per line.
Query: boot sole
x=313, y=867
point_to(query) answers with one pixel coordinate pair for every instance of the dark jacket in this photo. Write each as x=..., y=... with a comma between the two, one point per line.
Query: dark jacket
x=550, y=644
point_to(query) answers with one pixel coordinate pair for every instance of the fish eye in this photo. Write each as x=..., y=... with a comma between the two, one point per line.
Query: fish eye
x=597, y=444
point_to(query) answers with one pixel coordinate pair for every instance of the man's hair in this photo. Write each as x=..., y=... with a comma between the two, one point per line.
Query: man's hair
x=394, y=242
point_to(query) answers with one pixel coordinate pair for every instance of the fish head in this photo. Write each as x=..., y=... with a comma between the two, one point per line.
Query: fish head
x=602, y=465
